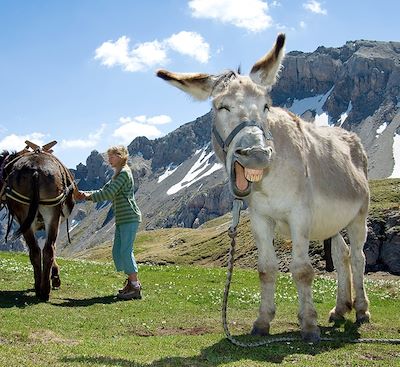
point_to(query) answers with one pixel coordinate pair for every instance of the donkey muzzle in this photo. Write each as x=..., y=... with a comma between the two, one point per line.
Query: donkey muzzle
x=257, y=157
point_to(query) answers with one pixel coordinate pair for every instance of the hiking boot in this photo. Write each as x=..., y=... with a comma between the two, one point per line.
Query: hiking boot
x=123, y=290
x=131, y=292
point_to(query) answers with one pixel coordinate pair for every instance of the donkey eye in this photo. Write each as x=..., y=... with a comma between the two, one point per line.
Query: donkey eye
x=223, y=108
x=266, y=107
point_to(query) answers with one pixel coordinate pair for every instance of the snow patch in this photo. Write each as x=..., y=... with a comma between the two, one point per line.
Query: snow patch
x=201, y=168
x=74, y=224
x=344, y=115
x=168, y=172
x=381, y=129
x=396, y=156
x=299, y=106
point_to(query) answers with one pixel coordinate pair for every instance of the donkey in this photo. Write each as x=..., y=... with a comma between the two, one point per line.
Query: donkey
x=38, y=191
x=303, y=181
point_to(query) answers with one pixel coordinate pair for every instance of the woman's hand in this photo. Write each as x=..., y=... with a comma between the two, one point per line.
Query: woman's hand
x=82, y=195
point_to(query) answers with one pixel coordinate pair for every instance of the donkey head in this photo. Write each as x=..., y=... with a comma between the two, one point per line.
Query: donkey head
x=240, y=133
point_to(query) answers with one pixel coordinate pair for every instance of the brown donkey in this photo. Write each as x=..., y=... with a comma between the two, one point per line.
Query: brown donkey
x=38, y=190
x=304, y=181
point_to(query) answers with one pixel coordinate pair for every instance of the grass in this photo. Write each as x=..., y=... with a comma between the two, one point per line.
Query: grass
x=177, y=323
x=385, y=195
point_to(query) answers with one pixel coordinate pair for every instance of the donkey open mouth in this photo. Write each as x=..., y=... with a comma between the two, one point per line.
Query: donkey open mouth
x=245, y=176
x=248, y=165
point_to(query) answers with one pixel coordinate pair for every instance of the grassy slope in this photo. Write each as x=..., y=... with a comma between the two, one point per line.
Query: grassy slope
x=209, y=245
x=177, y=323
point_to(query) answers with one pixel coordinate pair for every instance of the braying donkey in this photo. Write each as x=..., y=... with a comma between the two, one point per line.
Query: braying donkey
x=38, y=190
x=304, y=181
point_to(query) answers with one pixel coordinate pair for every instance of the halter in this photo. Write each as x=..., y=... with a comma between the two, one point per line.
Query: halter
x=247, y=123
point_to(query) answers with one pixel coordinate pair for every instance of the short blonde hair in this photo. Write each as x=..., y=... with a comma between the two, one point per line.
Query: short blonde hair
x=121, y=151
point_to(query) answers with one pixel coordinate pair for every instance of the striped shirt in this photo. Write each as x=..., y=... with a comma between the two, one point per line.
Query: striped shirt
x=120, y=191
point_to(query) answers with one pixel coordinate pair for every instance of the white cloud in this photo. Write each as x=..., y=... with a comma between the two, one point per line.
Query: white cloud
x=149, y=54
x=191, y=44
x=315, y=7
x=90, y=142
x=17, y=142
x=303, y=24
x=139, y=126
x=140, y=58
x=159, y=120
x=249, y=14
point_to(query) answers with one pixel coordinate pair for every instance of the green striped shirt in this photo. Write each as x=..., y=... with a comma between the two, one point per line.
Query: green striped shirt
x=120, y=191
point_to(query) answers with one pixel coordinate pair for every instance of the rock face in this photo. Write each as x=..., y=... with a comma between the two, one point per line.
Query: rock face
x=95, y=174
x=361, y=84
x=176, y=147
x=382, y=249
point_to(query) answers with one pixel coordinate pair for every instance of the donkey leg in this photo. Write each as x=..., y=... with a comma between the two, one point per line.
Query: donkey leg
x=303, y=275
x=357, y=231
x=51, y=217
x=341, y=260
x=263, y=231
x=35, y=255
x=55, y=275
x=48, y=259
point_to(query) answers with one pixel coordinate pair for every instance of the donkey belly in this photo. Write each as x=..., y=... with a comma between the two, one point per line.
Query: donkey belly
x=331, y=216
x=327, y=216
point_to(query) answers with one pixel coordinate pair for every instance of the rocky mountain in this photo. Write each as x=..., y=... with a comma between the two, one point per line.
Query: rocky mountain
x=178, y=179
x=356, y=86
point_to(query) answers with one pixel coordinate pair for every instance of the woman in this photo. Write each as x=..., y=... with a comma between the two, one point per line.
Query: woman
x=120, y=190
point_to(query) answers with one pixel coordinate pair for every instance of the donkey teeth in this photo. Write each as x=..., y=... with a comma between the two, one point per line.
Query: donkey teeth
x=253, y=175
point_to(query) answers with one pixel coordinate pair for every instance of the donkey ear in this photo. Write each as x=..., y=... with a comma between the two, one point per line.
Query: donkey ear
x=265, y=70
x=198, y=85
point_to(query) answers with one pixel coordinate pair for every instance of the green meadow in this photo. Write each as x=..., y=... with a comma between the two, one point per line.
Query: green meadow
x=178, y=321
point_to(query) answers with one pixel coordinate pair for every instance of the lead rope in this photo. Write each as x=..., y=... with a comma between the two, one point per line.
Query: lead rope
x=237, y=206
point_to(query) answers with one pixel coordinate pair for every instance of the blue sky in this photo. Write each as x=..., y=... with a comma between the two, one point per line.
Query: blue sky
x=82, y=71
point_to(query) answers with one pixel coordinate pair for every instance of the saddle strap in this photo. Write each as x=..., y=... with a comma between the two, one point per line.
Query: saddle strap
x=15, y=195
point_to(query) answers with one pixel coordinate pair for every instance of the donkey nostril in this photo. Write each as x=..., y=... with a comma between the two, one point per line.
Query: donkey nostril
x=244, y=151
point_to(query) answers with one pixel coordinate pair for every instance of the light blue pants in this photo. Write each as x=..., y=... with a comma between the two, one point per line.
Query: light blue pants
x=122, y=250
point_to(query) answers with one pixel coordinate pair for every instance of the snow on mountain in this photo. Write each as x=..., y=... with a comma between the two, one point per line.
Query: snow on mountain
x=201, y=168
x=315, y=103
x=396, y=156
x=168, y=172
x=344, y=115
x=381, y=129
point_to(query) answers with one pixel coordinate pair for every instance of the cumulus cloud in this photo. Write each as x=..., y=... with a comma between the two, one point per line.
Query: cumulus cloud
x=159, y=120
x=249, y=14
x=130, y=128
x=146, y=55
x=315, y=7
x=17, y=142
x=191, y=44
x=90, y=142
x=140, y=57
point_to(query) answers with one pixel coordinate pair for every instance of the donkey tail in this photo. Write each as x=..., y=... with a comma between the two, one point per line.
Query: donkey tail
x=33, y=206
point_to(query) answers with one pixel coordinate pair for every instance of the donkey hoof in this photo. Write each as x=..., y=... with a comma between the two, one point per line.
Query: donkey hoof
x=44, y=297
x=55, y=282
x=336, y=317
x=313, y=336
x=257, y=331
x=363, y=318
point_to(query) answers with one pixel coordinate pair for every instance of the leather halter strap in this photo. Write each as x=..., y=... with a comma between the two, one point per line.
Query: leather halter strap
x=225, y=144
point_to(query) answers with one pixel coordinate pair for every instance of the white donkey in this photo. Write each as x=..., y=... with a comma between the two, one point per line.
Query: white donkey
x=304, y=181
